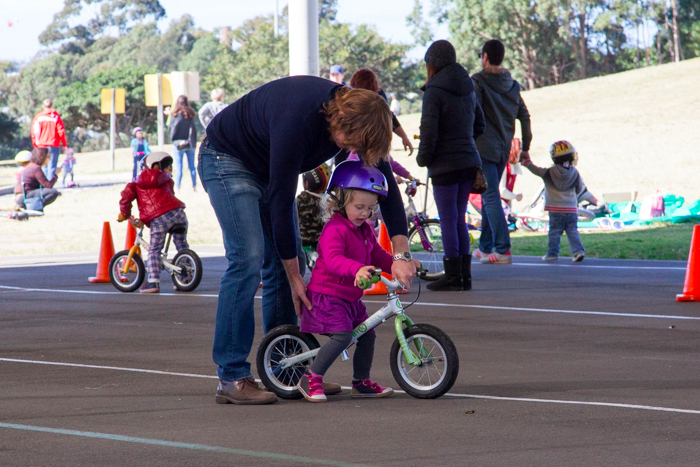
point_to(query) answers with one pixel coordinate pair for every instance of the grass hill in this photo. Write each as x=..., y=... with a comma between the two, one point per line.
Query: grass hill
x=636, y=130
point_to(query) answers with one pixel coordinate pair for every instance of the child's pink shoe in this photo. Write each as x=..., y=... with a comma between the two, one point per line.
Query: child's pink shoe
x=368, y=388
x=311, y=387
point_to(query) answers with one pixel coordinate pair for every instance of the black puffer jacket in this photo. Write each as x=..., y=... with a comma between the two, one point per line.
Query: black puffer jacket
x=499, y=96
x=451, y=120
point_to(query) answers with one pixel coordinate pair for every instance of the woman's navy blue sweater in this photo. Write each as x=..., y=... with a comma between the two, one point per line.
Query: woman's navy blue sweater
x=279, y=131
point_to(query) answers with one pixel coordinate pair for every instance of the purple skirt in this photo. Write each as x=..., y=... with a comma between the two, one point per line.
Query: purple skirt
x=331, y=314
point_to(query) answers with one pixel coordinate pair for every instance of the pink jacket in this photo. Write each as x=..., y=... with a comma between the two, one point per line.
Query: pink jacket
x=343, y=249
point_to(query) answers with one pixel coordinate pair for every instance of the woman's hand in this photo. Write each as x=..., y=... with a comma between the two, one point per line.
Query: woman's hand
x=407, y=145
x=363, y=273
x=404, y=271
x=296, y=284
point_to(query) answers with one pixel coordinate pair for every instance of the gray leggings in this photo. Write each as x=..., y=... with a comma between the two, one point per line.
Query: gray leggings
x=339, y=341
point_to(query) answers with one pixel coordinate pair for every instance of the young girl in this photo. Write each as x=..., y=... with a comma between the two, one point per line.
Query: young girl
x=68, y=164
x=347, y=252
x=139, y=149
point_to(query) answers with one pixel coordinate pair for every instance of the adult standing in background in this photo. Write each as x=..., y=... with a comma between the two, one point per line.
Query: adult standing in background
x=450, y=120
x=499, y=96
x=210, y=109
x=364, y=78
x=395, y=105
x=48, y=132
x=183, y=134
x=337, y=75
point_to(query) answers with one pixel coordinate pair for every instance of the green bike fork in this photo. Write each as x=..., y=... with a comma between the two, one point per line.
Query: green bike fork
x=410, y=357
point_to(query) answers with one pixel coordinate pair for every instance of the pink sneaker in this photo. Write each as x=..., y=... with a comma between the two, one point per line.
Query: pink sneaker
x=368, y=388
x=311, y=387
x=497, y=258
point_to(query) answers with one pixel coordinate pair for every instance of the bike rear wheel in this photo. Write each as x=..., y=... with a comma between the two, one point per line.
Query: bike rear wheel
x=432, y=260
x=440, y=362
x=135, y=274
x=280, y=343
x=191, y=275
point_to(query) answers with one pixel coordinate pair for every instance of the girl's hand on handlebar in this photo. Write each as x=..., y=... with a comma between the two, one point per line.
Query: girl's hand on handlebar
x=121, y=217
x=365, y=272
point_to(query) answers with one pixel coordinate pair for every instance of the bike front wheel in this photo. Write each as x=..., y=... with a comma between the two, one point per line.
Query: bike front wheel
x=280, y=343
x=135, y=272
x=432, y=260
x=439, y=362
x=191, y=270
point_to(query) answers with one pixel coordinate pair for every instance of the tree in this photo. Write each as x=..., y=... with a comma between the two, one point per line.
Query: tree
x=120, y=14
x=81, y=101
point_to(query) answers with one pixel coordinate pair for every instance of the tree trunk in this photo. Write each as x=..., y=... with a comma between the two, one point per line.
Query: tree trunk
x=583, y=44
x=676, y=33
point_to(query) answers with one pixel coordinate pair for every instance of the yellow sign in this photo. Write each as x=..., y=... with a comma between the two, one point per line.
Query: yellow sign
x=119, y=99
x=151, y=87
x=174, y=84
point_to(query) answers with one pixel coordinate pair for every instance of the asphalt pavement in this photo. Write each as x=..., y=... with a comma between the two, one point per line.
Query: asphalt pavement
x=560, y=364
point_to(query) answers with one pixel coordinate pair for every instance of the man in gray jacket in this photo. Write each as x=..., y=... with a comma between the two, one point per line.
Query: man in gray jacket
x=499, y=96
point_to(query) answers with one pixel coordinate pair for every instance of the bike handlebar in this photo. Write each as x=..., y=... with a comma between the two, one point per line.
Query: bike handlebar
x=393, y=285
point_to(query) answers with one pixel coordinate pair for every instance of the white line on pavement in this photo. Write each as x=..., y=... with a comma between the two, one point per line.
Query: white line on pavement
x=465, y=396
x=435, y=304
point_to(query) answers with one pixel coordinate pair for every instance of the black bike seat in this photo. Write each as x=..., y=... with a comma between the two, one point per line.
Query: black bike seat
x=178, y=229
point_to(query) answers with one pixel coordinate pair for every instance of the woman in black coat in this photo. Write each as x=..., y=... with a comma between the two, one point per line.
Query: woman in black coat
x=450, y=122
x=183, y=134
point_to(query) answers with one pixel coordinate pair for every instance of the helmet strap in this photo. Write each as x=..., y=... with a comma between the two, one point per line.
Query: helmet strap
x=341, y=205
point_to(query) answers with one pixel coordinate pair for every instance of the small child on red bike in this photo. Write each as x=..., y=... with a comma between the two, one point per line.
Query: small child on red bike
x=159, y=209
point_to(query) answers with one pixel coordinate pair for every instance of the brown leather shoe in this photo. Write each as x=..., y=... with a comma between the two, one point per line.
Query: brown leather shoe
x=243, y=392
x=331, y=389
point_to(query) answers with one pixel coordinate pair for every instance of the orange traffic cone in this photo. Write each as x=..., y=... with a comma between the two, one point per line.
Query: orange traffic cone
x=384, y=242
x=106, y=253
x=130, y=236
x=691, y=288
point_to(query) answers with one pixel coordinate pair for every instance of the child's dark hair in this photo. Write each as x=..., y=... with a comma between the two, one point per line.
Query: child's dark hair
x=164, y=164
x=561, y=160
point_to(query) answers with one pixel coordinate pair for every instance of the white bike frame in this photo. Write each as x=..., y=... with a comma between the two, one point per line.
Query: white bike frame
x=392, y=308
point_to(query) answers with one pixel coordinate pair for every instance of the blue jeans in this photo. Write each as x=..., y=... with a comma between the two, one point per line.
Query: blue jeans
x=190, y=165
x=451, y=201
x=560, y=222
x=494, y=228
x=239, y=199
x=50, y=169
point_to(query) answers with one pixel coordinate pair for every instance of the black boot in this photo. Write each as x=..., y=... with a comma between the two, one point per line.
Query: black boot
x=452, y=280
x=466, y=272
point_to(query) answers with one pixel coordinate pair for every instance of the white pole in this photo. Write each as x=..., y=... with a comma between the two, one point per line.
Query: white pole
x=303, y=37
x=112, y=125
x=161, y=130
x=277, y=10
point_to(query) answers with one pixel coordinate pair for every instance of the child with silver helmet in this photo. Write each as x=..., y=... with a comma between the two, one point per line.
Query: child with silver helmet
x=159, y=209
x=347, y=250
x=564, y=189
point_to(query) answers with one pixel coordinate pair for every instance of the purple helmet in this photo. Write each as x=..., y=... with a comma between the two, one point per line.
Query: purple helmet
x=356, y=175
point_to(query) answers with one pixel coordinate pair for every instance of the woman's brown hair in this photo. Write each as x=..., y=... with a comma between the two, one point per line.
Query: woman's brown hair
x=364, y=119
x=364, y=78
x=39, y=155
x=182, y=105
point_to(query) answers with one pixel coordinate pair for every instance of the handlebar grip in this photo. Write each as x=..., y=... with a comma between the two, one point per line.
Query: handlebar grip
x=366, y=284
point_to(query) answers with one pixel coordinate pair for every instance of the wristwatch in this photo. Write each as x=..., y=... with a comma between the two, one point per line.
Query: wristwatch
x=404, y=255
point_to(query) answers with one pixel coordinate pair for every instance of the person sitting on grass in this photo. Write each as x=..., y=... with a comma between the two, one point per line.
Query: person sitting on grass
x=34, y=182
x=347, y=250
x=159, y=209
x=564, y=189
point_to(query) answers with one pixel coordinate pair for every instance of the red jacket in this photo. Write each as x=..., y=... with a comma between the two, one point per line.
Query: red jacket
x=153, y=192
x=48, y=129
